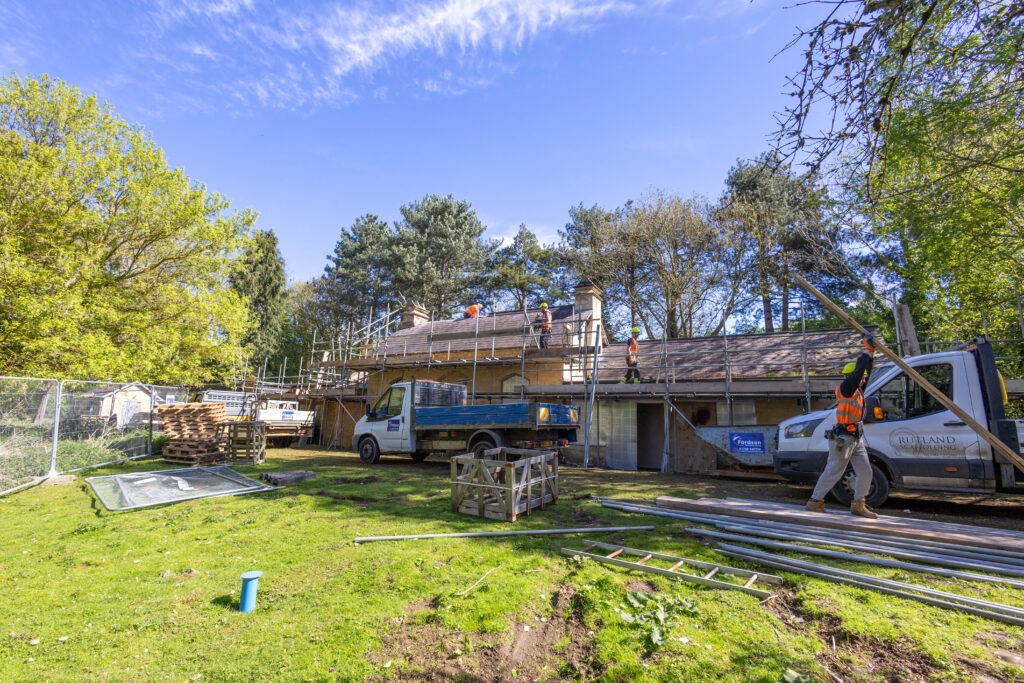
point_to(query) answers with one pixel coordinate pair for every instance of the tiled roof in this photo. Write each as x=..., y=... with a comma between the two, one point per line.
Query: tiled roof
x=745, y=356
x=507, y=330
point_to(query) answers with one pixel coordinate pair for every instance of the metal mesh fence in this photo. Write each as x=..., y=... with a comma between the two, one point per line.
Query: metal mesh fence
x=50, y=427
x=27, y=409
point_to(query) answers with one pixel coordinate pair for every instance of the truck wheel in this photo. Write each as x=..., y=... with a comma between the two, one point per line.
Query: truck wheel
x=480, y=446
x=369, y=453
x=419, y=456
x=877, y=494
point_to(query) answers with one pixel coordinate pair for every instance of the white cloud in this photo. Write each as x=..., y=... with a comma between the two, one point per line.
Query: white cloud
x=339, y=43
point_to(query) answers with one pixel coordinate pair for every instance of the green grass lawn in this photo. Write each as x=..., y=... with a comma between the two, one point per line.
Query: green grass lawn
x=153, y=594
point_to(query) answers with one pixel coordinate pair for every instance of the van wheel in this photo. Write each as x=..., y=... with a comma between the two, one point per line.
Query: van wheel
x=480, y=446
x=369, y=453
x=877, y=494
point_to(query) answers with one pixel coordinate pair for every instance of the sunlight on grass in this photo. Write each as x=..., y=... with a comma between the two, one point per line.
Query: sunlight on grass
x=144, y=595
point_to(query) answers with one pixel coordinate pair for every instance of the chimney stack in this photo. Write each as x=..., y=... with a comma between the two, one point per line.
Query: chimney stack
x=413, y=315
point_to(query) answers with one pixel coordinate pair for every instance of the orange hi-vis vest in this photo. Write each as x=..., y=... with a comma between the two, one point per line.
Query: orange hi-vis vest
x=849, y=411
x=545, y=318
x=633, y=349
x=473, y=310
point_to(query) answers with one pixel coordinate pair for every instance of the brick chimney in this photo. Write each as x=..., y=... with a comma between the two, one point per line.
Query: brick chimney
x=412, y=316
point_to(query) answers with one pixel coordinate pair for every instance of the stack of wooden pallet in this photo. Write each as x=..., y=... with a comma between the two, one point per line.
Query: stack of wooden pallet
x=193, y=436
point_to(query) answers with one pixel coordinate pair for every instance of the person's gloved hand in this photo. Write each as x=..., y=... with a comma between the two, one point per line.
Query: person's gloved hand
x=869, y=342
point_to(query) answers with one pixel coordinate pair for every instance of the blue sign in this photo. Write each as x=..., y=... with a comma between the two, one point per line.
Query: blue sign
x=393, y=424
x=746, y=442
x=287, y=414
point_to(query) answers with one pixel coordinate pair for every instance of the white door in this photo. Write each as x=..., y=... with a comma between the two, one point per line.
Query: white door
x=389, y=422
x=929, y=445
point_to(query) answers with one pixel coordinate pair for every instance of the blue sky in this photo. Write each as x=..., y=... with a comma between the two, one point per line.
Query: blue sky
x=313, y=112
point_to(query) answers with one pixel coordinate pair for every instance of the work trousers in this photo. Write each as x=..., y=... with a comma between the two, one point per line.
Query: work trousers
x=632, y=370
x=545, y=337
x=843, y=450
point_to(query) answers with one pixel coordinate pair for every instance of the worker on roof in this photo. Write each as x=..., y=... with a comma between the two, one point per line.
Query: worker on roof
x=545, y=325
x=846, y=438
x=473, y=311
x=632, y=358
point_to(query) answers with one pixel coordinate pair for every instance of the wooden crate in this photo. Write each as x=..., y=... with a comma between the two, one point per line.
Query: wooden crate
x=505, y=483
x=245, y=440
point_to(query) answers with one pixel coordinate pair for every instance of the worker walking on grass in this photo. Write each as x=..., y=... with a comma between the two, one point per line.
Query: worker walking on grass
x=473, y=311
x=545, y=325
x=846, y=438
x=632, y=358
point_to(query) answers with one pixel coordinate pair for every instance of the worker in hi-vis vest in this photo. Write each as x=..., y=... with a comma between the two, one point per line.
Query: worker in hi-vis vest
x=473, y=311
x=846, y=438
x=632, y=358
x=545, y=325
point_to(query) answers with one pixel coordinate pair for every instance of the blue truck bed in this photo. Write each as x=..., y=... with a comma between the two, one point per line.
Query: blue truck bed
x=500, y=415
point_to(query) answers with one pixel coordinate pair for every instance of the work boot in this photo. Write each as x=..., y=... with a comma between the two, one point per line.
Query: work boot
x=815, y=506
x=622, y=381
x=861, y=509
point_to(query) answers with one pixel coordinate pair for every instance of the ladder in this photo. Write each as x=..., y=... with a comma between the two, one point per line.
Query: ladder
x=747, y=578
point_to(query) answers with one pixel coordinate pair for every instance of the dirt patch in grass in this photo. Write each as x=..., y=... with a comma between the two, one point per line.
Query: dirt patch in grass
x=549, y=648
x=853, y=657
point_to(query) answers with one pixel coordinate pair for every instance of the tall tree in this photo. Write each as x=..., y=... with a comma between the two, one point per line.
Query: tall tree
x=783, y=218
x=666, y=264
x=259, y=278
x=300, y=328
x=113, y=264
x=588, y=241
x=439, y=254
x=359, y=280
x=925, y=102
x=526, y=272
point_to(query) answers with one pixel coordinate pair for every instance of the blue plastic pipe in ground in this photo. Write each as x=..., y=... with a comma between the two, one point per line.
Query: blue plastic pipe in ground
x=250, y=582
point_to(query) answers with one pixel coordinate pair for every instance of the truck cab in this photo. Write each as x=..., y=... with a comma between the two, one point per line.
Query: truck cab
x=913, y=441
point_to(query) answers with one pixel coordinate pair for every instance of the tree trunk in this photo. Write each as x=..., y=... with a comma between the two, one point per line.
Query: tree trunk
x=766, y=305
x=44, y=401
x=785, y=306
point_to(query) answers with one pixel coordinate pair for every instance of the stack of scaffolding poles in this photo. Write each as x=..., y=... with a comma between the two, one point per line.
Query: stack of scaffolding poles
x=1005, y=562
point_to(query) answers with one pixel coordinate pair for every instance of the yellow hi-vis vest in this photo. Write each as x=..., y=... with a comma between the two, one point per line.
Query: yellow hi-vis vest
x=849, y=411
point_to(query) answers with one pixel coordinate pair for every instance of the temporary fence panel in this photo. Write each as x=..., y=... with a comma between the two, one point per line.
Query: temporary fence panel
x=27, y=409
x=50, y=427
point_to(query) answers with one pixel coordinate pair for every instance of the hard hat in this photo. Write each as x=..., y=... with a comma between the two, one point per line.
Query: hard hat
x=544, y=305
x=849, y=367
x=635, y=330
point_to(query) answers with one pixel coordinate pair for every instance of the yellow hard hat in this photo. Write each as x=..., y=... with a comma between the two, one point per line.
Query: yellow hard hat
x=849, y=367
x=544, y=305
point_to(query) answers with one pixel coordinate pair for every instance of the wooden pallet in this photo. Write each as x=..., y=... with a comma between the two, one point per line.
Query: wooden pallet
x=191, y=420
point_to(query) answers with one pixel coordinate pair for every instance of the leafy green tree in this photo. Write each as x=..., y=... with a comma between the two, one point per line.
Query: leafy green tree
x=439, y=254
x=259, y=278
x=922, y=102
x=525, y=273
x=302, y=322
x=113, y=264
